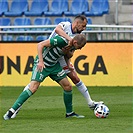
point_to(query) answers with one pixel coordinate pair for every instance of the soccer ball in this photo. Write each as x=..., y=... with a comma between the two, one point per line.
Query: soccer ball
x=101, y=111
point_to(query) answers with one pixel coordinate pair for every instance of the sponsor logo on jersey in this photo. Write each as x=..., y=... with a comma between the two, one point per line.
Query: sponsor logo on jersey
x=55, y=41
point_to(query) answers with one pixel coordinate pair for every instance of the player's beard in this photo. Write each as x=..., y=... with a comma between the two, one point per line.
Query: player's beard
x=78, y=31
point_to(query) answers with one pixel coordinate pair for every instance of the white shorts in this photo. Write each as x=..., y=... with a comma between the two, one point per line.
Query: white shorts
x=63, y=64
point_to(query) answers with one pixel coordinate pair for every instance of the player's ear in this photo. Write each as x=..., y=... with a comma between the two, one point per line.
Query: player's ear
x=74, y=41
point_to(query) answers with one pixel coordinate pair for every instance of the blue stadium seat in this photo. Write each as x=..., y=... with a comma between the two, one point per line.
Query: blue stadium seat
x=77, y=7
x=41, y=38
x=5, y=22
x=57, y=8
x=22, y=22
x=42, y=21
x=37, y=8
x=89, y=23
x=3, y=6
x=98, y=8
x=24, y=38
x=60, y=19
x=105, y=6
x=18, y=7
x=7, y=38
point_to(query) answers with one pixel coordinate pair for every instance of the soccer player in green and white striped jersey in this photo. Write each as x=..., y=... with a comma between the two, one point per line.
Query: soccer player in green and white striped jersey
x=68, y=30
x=46, y=64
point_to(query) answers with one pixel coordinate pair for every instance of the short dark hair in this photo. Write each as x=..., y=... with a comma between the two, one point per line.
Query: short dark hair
x=81, y=39
x=81, y=17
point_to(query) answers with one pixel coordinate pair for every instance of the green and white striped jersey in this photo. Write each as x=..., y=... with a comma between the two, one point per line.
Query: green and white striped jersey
x=51, y=54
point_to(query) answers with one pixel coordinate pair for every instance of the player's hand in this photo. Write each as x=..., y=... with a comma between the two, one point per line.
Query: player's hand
x=40, y=66
x=68, y=47
x=71, y=67
x=65, y=51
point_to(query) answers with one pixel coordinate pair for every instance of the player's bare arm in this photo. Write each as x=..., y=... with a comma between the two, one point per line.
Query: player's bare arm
x=67, y=57
x=69, y=64
x=69, y=54
x=40, y=47
x=62, y=33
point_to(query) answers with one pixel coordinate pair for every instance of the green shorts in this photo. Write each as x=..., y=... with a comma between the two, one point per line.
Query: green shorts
x=55, y=72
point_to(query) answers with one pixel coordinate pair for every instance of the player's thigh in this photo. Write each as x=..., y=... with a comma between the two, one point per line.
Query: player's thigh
x=57, y=73
x=37, y=75
x=65, y=84
x=73, y=76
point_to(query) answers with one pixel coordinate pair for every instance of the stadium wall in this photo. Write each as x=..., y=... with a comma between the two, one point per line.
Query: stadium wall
x=97, y=64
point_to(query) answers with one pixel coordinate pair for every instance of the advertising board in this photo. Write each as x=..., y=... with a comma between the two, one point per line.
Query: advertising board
x=97, y=64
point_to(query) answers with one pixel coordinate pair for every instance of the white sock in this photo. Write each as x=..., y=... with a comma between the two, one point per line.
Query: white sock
x=12, y=110
x=83, y=89
x=27, y=87
x=69, y=113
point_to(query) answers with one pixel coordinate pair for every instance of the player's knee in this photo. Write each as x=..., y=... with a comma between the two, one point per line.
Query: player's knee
x=68, y=87
x=34, y=86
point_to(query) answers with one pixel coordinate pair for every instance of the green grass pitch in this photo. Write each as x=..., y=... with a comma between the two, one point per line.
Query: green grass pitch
x=44, y=112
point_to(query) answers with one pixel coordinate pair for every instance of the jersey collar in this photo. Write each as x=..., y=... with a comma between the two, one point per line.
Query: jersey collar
x=71, y=29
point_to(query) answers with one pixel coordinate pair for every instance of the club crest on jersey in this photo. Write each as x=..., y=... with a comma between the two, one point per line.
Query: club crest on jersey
x=41, y=77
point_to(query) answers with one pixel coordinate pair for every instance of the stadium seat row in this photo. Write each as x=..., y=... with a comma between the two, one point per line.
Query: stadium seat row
x=24, y=38
x=27, y=21
x=55, y=8
x=37, y=21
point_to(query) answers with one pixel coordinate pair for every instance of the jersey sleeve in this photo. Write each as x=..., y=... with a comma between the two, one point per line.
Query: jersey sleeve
x=58, y=41
x=64, y=25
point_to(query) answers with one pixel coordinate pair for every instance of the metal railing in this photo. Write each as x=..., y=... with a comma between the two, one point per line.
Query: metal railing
x=92, y=32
